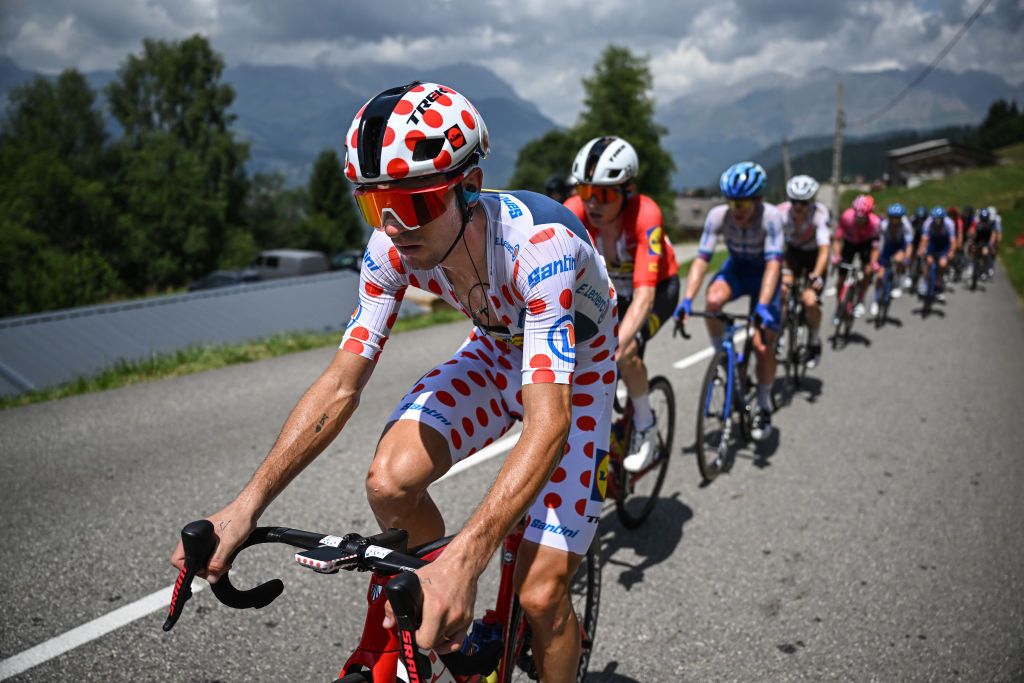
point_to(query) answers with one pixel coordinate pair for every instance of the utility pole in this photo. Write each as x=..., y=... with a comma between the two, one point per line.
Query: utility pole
x=837, y=151
x=787, y=168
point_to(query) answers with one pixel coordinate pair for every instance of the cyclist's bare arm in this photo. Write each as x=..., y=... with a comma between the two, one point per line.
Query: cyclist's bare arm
x=698, y=269
x=449, y=583
x=769, y=281
x=314, y=422
x=636, y=315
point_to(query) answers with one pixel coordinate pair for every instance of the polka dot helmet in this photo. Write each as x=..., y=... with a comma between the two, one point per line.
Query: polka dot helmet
x=411, y=131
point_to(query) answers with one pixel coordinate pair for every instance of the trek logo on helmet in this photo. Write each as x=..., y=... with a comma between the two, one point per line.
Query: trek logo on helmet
x=425, y=104
x=455, y=137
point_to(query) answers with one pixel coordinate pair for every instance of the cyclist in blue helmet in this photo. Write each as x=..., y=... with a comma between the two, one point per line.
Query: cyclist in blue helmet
x=753, y=233
x=937, y=240
x=897, y=238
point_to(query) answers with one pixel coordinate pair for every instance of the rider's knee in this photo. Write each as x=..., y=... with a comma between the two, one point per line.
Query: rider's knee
x=545, y=599
x=390, y=481
x=810, y=300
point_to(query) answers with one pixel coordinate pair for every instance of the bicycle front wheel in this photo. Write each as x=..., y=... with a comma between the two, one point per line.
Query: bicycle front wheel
x=585, y=594
x=713, y=418
x=638, y=491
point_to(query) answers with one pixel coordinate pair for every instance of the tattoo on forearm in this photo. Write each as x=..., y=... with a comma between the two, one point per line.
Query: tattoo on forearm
x=321, y=422
x=224, y=524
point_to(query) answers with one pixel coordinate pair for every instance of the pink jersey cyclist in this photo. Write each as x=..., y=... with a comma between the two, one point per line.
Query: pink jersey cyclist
x=559, y=324
x=854, y=232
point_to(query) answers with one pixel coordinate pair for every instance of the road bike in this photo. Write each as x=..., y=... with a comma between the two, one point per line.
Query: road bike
x=727, y=397
x=930, y=288
x=496, y=649
x=793, y=351
x=883, y=294
x=636, y=493
x=848, y=297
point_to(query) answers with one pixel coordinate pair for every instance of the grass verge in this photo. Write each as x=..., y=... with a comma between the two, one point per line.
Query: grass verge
x=1001, y=186
x=200, y=358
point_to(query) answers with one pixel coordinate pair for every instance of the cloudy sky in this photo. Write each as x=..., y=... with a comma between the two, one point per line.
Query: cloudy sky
x=541, y=47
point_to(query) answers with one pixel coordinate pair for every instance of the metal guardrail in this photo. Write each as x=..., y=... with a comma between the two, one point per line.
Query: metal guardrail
x=48, y=349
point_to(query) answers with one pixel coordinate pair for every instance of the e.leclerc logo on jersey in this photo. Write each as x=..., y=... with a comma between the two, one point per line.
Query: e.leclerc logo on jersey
x=562, y=339
x=504, y=243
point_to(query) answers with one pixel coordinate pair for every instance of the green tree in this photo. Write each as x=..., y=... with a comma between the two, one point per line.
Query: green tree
x=56, y=215
x=182, y=178
x=332, y=224
x=617, y=102
x=551, y=154
x=1003, y=125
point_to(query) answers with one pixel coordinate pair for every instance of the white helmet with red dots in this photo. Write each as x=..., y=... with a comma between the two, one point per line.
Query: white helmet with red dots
x=411, y=131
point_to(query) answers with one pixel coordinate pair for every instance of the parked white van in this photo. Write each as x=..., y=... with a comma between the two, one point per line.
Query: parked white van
x=274, y=263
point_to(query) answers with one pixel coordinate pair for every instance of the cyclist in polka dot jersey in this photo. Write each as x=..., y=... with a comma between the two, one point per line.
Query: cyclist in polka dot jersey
x=522, y=267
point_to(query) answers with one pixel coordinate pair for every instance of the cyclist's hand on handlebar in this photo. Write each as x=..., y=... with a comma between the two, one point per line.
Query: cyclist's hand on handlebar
x=764, y=312
x=449, y=595
x=817, y=283
x=835, y=259
x=681, y=315
x=231, y=527
x=683, y=310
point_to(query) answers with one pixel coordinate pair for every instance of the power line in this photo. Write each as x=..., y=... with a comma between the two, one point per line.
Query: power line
x=924, y=74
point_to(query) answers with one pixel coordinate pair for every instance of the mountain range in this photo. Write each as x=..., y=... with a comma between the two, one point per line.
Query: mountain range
x=289, y=114
x=710, y=131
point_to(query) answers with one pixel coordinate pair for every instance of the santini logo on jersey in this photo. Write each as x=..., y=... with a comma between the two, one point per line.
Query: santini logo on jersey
x=428, y=411
x=560, y=529
x=566, y=264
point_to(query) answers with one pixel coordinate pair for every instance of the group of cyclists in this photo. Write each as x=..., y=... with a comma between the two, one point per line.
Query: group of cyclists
x=562, y=298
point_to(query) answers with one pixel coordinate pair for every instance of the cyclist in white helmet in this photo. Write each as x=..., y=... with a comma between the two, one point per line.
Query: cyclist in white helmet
x=540, y=351
x=807, y=228
x=628, y=231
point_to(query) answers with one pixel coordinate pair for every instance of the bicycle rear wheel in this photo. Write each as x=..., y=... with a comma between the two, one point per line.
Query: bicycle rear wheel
x=585, y=594
x=714, y=421
x=638, y=491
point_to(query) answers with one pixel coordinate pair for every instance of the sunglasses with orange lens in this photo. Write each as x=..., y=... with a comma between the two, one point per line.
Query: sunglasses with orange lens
x=411, y=207
x=602, y=194
x=741, y=204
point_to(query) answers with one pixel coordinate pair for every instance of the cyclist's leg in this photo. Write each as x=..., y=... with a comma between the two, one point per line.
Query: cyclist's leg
x=790, y=270
x=561, y=525
x=720, y=292
x=766, y=361
x=632, y=369
x=453, y=411
x=634, y=373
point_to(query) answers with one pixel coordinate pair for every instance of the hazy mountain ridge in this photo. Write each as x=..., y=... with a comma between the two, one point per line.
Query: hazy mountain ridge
x=747, y=117
x=289, y=114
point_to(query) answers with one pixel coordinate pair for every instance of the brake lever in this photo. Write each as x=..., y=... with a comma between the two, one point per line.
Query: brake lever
x=198, y=540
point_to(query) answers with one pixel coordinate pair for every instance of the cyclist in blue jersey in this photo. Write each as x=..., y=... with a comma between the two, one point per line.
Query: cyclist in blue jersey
x=938, y=237
x=753, y=233
x=897, y=237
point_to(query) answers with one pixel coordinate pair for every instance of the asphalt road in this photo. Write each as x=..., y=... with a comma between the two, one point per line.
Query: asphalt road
x=880, y=536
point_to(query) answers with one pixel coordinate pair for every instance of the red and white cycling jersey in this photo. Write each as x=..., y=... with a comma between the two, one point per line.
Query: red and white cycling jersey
x=551, y=292
x=812, y=233
x=851, y=231
x=642, y=256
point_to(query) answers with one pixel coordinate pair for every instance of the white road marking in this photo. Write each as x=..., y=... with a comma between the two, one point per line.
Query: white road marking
x=23, y=661
x=54, y=647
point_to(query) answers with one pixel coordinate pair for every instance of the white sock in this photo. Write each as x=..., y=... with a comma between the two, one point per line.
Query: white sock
x=643, y=416
x=812, y=335
x=716, y=342
x=764, y=397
